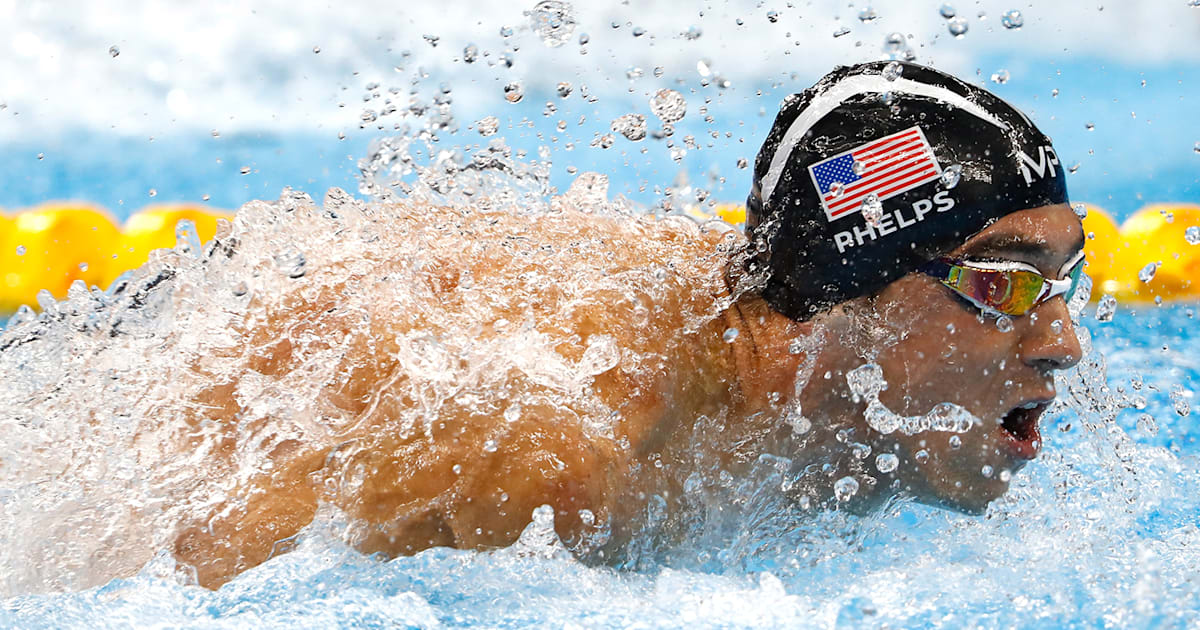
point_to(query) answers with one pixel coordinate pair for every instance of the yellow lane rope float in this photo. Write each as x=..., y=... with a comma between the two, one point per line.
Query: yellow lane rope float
x=1150, y=256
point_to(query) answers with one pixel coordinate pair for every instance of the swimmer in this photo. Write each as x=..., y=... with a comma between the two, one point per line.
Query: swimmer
x=916, y=225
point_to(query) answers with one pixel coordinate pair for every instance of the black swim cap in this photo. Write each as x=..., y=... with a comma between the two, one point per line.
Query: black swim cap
x=878, y=169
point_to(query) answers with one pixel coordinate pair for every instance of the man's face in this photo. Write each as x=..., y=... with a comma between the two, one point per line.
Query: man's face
x=943, y=349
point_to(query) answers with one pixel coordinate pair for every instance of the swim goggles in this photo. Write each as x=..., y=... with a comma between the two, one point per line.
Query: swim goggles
x=1007, y=286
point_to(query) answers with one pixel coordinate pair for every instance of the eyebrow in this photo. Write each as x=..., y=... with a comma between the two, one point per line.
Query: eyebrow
x=1004, y=244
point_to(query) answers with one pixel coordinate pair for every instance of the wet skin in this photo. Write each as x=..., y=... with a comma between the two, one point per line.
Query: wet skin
x=933, y=347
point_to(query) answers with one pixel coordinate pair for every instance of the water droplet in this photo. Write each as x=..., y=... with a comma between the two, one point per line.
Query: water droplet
x=83, y=266
x=872, y=209
x=893, y=44
x=513, y=92
x=986, y=471
x=1180, y=401
x=1145, y=422
x=432, y=40
x=772, y=16
x=490, y=446
x=632, y=126
x=955, y=442
x=893, y=70
x=921, y=456
x=1196, y=147
x=1054, y=93
x=20, y=250
x=113, y=51
x=668, y=105
x=1192, y=235
x=316, y=50
x=41, y=156
x=1073, y=168
x=1080, y=210
x=837, y=189
x=470, y=53
x=1056, y=326
x=553, y=22
x=957, y=27
x=742, y=163
x=730, y=335
x=292, y=263
x=1106, y=309
x=488, y=125
x=1000, y=77
x=1004, y=323
x=152, y=192
x=868, y=14
x=245, y=170
x=951, y=175
x=886, y=462
x=845, y=488
x=513, y=413
x=1090, y=126
x=205, y=197
x=845, y=30
x=506, y=31
x=1146, y=274
x=947, y=11
x=456, y=469
x=692, y=34
x=1012, y=19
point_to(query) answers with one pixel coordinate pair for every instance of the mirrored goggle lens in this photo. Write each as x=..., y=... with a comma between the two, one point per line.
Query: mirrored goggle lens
x=1010, y=292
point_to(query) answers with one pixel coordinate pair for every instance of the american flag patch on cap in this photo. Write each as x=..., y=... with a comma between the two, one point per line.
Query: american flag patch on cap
x=885, y=167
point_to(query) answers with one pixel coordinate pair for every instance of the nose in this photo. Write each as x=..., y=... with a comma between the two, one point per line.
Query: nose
x=1048, y=345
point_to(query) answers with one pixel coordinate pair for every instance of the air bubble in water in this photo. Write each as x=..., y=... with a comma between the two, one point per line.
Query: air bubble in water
x=951, y=175
x=1106, y=309
x=1080, y=210
x=1192, y=235
x=1146, y=274
x=553, y=22
x=868, y=14
x=470, y=53
x=947, y=11
x=1000, y=77
x=668, y=105
x=886, y=462
x=1012, y=19
x=488, y=125
x=872, y=209
x=632, y=126
x=513, y=92
x=957, y=27
x=114, y=51
x=845, y=488
x=730, y=335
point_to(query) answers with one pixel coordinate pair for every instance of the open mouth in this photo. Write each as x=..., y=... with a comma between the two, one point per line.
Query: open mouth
x=1021, y=428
